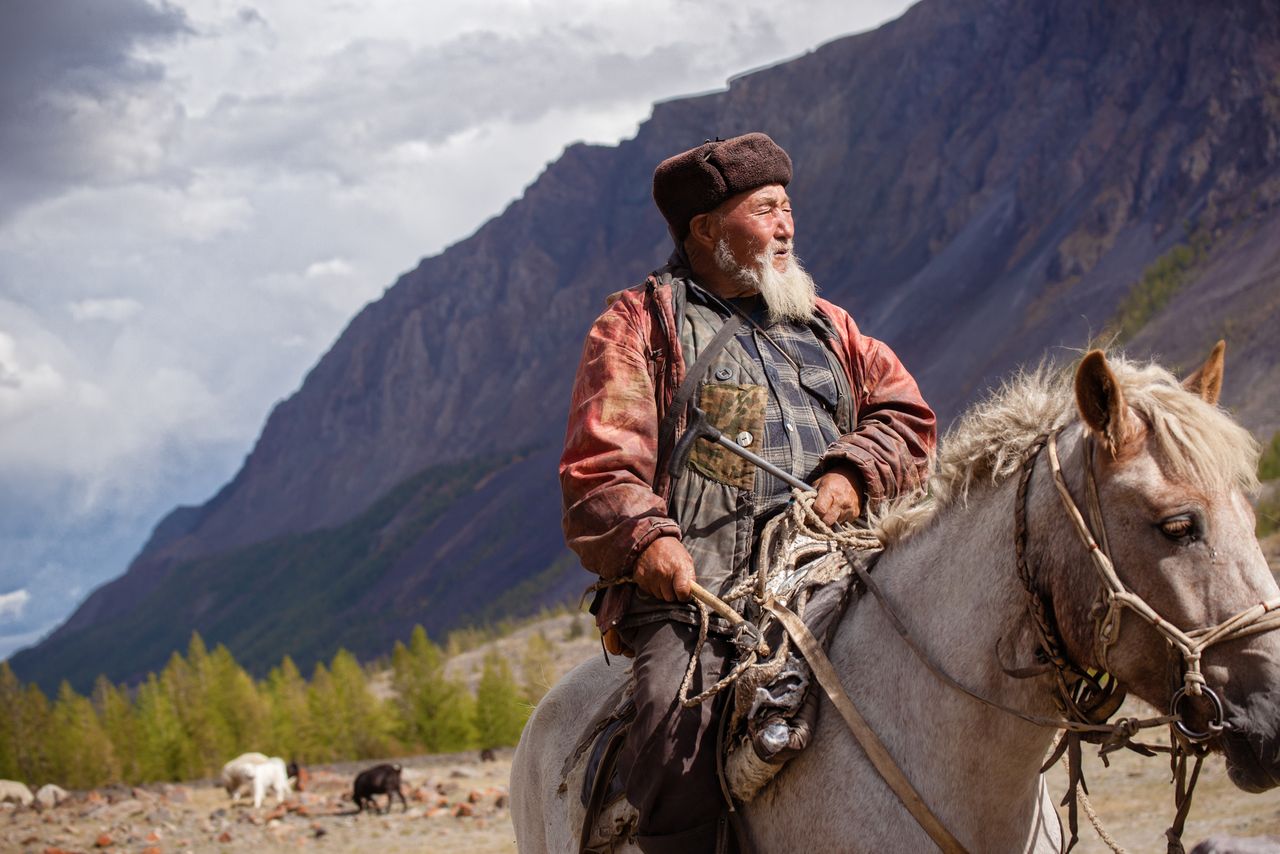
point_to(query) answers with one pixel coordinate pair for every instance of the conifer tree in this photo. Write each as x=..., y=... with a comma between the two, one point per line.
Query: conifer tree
x=35, y=761
x=500, y=709
x=11, y=735
x=191, y=684
x=120, y=725
x=233, y=699
x=164, y=748
x=365, y=724
x=80, y=751
x=292, y=730
x=327, y=737
x=24, y=722
x=436, y=712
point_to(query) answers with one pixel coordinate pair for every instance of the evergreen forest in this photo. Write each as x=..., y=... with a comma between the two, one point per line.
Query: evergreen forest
x=203, y=709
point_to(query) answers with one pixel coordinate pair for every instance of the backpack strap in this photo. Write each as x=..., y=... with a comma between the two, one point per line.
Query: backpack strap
x=667, y=430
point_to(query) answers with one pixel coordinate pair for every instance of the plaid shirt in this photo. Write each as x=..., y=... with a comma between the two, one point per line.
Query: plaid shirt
x=800, y=412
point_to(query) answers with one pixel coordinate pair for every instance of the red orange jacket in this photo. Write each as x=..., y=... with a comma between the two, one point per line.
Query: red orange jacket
x=613, y=487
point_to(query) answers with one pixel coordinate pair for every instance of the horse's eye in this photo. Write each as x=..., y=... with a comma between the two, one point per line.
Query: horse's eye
x=1178, y=527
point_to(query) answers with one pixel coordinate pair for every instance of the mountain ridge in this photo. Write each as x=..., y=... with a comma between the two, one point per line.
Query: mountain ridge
x=977, y=182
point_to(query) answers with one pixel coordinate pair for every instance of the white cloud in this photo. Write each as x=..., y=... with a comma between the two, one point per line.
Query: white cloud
x=112, y=309
x=24, y=387
x=332, y=267
x=13, y=604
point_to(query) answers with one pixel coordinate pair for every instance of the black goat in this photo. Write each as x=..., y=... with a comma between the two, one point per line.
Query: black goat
x=378, y=780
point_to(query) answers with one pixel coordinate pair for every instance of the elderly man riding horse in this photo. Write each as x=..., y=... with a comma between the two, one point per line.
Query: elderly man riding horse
x=732, y=324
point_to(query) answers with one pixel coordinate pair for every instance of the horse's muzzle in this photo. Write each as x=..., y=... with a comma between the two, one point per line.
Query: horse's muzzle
x=1251, y=743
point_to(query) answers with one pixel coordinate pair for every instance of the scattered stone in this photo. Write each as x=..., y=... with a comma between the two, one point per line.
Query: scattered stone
x=153, y=836
x=177, y=794
x=304, y=779
x=462, y=773
x=224, y=837
x=317, y=829
x=116, y=793
x=103, y=841
x=153, y=849
x=280, y=829
x=501, y=802
x=53, y=849
x=464, y=811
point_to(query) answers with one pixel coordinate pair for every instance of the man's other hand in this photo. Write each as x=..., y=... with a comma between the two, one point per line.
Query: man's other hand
x=839, y=496
x=665, y=570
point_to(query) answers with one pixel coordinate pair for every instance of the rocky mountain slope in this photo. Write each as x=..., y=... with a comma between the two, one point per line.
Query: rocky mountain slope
x=979, y=181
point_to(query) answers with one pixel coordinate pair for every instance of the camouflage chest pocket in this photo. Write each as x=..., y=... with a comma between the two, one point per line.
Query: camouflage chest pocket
x=738, y=412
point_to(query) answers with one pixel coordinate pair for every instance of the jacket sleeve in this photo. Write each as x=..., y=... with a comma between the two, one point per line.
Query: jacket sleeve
x=611, y=512
x=893, y=442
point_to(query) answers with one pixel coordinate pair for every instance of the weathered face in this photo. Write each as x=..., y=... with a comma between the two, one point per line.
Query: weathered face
x=750, y=222
x=1190, y=552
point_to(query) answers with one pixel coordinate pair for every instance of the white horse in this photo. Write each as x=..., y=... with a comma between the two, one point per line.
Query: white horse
x=1171, y=482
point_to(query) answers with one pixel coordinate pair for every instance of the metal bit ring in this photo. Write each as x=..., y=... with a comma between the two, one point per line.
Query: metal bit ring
x=1215, y=725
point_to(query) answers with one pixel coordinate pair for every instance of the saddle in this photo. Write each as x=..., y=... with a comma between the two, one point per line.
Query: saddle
x=769, y=711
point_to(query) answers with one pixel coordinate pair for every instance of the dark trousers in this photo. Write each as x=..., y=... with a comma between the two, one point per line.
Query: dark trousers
x=668, y=762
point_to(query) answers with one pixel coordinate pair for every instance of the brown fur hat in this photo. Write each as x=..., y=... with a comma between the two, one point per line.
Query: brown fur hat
x=701, y=179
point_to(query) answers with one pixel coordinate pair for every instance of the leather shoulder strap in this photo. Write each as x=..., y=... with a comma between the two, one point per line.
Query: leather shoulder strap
x=667, y=430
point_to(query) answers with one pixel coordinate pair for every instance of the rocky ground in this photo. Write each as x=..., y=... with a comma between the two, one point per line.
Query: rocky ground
x=456, y=803
x=459, y=804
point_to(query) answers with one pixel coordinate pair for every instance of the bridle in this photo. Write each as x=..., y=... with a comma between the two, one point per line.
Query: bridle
x=1089, y=697
x=1115, y=597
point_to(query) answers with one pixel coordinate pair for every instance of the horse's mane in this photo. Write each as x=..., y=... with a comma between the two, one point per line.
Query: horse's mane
x=1196, y=441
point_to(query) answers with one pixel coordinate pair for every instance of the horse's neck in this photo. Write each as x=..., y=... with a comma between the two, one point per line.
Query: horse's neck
x=955, y=585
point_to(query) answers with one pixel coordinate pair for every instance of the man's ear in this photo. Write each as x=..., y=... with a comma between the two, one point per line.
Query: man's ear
x=704, y=230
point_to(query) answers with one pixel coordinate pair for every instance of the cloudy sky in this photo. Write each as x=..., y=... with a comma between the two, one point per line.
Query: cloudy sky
x=195, y=199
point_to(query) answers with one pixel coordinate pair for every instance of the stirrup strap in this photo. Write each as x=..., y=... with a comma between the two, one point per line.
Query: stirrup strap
x=871, y=744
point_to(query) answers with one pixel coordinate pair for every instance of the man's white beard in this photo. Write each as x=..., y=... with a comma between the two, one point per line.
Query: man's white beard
x=789, y=295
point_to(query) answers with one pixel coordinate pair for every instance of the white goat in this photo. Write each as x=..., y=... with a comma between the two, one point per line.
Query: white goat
x=273, y=775
x=18, y=793
x=236, y=774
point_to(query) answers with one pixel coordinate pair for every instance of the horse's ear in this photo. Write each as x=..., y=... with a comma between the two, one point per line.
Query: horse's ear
x=1207, y=379
x=1100, y=400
